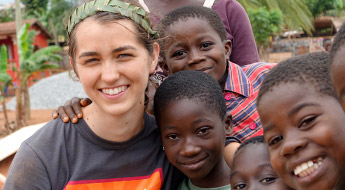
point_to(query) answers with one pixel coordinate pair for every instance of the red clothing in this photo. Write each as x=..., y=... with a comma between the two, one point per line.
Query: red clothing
x=241, y=89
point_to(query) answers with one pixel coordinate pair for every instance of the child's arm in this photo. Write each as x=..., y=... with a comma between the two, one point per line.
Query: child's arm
x=229, y=152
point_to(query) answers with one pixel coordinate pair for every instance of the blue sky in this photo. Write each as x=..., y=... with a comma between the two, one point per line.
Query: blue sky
x=6, y=1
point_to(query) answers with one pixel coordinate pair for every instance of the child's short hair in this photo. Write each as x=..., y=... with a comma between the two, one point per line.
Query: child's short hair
x=186, y=12
x=192, y=85
x=338, y=42
x=310, y=68
x=254, y=140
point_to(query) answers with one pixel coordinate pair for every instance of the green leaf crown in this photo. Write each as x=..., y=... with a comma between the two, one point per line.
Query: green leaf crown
x=135, y=13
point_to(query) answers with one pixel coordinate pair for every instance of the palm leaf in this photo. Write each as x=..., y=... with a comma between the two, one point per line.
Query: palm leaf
x=295, y=12
x=3, y=59
x=40, y=54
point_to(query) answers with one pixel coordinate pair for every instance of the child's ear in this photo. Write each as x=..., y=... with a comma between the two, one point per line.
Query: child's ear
x=228, y=123
x=155, y=55
x=228, y=48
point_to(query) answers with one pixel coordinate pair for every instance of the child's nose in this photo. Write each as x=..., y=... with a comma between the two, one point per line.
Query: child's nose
x=195, y=57
x=292, y=145
x=110, y=72
x=189, y=148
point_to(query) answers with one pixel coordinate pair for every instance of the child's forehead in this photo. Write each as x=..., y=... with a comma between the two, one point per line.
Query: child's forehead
x=256, y=153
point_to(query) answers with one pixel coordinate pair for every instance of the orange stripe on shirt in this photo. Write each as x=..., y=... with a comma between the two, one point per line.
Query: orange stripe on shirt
x=151, y=182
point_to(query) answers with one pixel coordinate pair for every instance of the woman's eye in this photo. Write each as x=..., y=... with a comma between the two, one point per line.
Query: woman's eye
x=179, y=53
x=206, y=44
x=92, y=60
x=306, y=121
x=124, y=55
x=240, y=186
x=203, y=131
x=172, y=136
x=268, y=180
x=275, y=140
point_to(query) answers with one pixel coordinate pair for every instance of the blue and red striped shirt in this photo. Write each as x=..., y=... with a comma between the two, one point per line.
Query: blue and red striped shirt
x=240, y=92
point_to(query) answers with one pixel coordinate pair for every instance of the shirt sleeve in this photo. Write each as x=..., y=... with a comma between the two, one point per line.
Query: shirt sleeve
x=239, y=29
x=27, y=171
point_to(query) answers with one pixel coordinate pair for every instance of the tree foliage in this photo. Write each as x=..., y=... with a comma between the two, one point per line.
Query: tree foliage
x=30, y=62
x=7, y=15
x=295, y=13
x=32, y=5
x=318, y=7
x=5, y=81
x=264, y=24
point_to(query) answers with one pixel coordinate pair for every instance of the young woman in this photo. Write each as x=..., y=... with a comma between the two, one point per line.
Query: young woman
x=116, y=145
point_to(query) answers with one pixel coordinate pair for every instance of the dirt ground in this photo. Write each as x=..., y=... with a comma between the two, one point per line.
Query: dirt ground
x=37, y=116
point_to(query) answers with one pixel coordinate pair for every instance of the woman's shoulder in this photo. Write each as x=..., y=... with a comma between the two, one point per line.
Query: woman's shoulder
x=51, y=133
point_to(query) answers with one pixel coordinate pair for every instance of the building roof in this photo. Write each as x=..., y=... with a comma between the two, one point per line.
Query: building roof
x=9, y=28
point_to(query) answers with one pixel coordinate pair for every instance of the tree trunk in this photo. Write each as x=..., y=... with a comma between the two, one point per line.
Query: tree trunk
x=54, y=31
x=20, y=112
x=7, y=124
x=26, y=100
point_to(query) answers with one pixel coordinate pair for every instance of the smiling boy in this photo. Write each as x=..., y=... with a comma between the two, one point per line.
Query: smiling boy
x=303, y=123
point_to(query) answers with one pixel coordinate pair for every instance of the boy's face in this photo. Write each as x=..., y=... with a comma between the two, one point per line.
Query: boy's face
x=305, y=133
x=193, y=44
x=193, y=137
x=338, y=77
x=252, y=170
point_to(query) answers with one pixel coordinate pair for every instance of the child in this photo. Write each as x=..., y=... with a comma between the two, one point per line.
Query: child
x=304, y=123
x=337, y=63
x=252, y=169
x=233, y=15
x=194, y=38
x=117, y=145
x=191, y=115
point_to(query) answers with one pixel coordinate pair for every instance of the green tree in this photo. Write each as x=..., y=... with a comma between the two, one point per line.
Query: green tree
x=264, y=23
x=295, y=13
x=53, y=18
x=32, y=5
x=5, y=81
x=7, y=15
x=30, y=62
x=318, y=7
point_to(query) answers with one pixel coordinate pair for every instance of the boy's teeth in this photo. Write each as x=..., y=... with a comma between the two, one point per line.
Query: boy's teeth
x=308, y=167
x=114, y=91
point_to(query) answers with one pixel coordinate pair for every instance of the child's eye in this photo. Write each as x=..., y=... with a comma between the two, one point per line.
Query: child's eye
x=203, y=131
x=179, y=53
x=206, y=45
x=240, y=186
x=275, y=140
x=172, y=136
x=306, y=121
x=268, y=180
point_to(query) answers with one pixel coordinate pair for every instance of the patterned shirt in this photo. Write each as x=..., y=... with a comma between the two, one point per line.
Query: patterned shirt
x=241, y=89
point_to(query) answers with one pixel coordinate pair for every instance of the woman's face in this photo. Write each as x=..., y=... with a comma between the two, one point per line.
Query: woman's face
x=112, y=65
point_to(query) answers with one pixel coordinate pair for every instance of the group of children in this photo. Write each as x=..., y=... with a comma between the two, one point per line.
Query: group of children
x=297, y=143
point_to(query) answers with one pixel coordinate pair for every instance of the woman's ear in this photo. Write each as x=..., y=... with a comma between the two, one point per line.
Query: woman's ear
x=73, y=68
x=228, y=123
x=228, y=48
x=155, y=55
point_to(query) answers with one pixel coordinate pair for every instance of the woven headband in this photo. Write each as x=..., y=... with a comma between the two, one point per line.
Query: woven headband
x=135, y=13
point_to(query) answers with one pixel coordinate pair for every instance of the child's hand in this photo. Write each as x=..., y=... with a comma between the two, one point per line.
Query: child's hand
x=71, y=110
